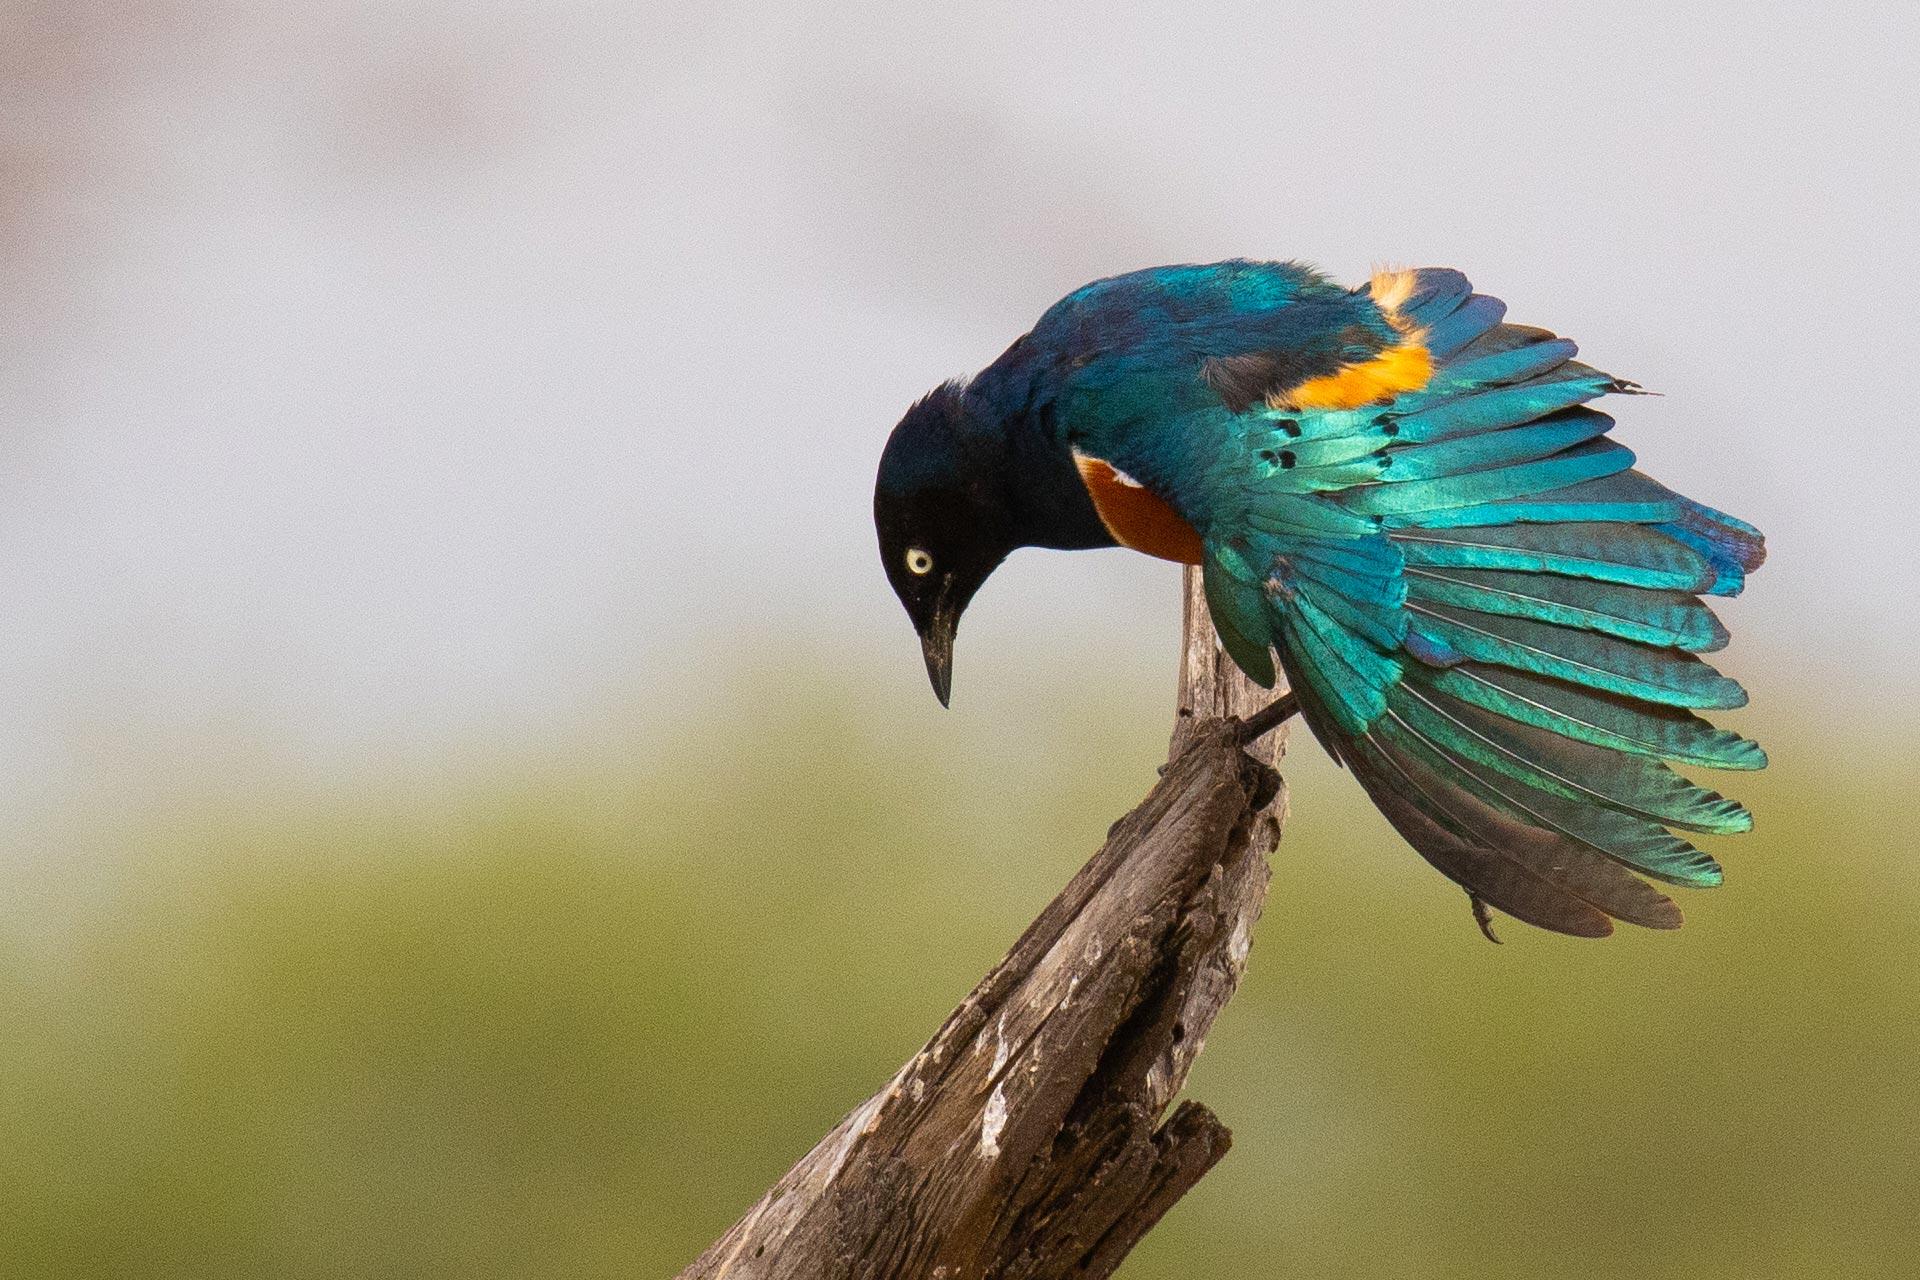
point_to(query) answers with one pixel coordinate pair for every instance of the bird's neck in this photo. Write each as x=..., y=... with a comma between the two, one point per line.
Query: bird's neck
x=1046, y=501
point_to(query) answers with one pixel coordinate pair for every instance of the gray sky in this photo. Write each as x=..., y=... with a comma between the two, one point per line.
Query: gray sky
x=378, y=376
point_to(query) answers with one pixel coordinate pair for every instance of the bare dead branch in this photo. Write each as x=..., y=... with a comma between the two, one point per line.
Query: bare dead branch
x=1030, y=1138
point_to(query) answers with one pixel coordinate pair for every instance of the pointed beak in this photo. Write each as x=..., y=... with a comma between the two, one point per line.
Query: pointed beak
x=936, y=645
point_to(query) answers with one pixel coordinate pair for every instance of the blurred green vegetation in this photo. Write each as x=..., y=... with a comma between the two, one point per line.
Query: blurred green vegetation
x=571, y=1018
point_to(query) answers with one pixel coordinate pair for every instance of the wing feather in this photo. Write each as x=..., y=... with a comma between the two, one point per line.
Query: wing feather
x=1486, y=612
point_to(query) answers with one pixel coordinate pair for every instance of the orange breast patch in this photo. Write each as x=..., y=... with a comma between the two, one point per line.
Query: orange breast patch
x=1134, y=516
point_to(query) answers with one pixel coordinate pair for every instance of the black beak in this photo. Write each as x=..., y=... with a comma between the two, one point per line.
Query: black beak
x=936, y=644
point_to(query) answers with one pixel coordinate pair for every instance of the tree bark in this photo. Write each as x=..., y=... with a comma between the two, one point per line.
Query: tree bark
x=1030, y=1138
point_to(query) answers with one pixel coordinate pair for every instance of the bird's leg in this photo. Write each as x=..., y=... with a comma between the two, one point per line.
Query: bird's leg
x=1481, y=915
x=1269, y=717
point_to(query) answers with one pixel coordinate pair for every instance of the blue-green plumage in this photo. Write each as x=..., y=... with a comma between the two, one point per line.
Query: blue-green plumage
x=1485, y=611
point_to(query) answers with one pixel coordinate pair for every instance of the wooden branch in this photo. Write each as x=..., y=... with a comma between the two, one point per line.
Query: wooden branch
x=1029, y=1139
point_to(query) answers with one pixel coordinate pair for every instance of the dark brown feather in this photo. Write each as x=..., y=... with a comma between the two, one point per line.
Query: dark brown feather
x=1244, y=380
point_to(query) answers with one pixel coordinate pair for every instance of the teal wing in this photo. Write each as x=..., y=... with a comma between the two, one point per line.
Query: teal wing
x=1489, y=616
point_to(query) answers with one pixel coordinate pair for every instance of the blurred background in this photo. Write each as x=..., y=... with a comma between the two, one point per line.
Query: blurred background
x=469, y=805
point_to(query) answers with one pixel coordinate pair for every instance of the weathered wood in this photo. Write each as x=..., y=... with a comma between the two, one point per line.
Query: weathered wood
x=1211, y=686
x=1030, y=1138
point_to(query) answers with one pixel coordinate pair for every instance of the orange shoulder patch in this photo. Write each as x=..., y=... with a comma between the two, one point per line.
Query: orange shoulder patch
x=1136, y=517
x=1405, y=366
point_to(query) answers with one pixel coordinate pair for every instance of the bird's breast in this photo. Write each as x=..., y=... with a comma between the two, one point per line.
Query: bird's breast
x=1134, y=515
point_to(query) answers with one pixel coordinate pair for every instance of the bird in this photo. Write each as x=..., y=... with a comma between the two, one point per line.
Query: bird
x=1481, y=608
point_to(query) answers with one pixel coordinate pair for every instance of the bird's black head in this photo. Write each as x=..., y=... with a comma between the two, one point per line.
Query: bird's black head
x=940, y=507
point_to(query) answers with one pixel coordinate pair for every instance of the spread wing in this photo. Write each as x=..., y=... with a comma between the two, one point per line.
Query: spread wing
x=1487, y=614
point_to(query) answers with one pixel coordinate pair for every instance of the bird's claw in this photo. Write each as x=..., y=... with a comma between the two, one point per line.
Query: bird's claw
x=1482, y=915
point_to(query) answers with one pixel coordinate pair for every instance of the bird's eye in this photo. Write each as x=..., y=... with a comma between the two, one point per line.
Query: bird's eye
x=919, y=563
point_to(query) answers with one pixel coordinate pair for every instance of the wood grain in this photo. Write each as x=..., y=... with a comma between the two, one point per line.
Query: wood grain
x=1030, y=1138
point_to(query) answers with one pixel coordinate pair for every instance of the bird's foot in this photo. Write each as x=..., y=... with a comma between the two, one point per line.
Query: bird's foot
x=1269, y=717
x=1482, y=916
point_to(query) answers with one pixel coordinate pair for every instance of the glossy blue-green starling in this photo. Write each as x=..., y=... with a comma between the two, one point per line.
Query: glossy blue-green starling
x=1483, y=610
